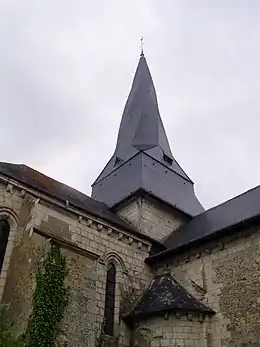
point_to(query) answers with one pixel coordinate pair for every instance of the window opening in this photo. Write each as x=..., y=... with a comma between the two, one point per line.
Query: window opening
x=4, y=235
x=110, y=300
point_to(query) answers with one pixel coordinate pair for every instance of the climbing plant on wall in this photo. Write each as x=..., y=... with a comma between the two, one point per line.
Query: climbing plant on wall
x=6, y=338
x=49, y=300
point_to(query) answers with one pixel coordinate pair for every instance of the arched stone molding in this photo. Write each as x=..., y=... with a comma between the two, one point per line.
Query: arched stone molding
x=114, y=258
x=11, y=217
x=121, y=273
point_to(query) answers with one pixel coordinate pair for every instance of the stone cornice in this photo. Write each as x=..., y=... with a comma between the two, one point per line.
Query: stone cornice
x=83, y=218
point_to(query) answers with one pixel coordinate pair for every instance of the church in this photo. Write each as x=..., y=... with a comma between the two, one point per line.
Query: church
x=139, y=263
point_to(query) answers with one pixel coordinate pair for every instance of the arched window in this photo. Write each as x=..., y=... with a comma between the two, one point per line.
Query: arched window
x=4, y=234
x=110, y=300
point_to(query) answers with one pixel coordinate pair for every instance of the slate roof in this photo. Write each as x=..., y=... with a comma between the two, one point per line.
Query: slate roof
x=141, y=127
x=214, y=223
x=165, y=294
x=143, y=159
x=44, y=184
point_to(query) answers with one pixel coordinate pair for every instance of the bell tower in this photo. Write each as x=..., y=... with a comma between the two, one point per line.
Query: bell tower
x=142, y=181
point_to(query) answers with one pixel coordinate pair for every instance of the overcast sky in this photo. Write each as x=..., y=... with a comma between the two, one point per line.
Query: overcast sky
x=66, y=68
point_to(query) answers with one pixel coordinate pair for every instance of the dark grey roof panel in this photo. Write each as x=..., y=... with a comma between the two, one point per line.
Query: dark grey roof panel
x=142, y=134
x=157, y=152
x=120, y=184
x=146, y=129
x=142, y=112
x=165, y=184
x=232, y=213
x=165, y=294
x=144, y=172
x=141, y=126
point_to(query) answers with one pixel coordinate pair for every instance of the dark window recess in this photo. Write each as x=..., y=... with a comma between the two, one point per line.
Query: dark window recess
x=110, y=300
x=118, y=161
x=4, y=234
x=167, y=159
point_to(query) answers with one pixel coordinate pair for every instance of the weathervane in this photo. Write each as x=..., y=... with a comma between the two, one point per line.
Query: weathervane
x=142, y=45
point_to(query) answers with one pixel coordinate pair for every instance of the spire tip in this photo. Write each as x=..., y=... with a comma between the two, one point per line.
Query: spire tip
x=142, y=47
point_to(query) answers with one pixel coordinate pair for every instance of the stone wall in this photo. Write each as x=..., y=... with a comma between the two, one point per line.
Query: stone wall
x=78, y=326
x=89, y=244
x=10, y=208
x=151, y=218
x=225, y=276
x=180, y=330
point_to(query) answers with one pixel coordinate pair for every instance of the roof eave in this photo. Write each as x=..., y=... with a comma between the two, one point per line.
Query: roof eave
x=131, y=317
x=125, y=227
x=154, y=259
x=143, y=192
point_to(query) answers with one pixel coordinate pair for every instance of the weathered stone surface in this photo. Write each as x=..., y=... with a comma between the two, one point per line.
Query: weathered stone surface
x=227, y=279
x=87, y=276
x=130, y=296
x=224, y=275
x=171, y=332
x=78, y=325
x=239, y=275
x=143, y=337
x=151, y=218
x=57, y=226
x=20, y=283
x=108, y=341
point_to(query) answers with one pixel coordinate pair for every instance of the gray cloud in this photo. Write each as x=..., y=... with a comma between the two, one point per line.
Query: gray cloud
x=66, y=70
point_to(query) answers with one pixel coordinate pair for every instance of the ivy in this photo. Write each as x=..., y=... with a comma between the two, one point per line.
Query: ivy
x=6, y=338
x=49, y=300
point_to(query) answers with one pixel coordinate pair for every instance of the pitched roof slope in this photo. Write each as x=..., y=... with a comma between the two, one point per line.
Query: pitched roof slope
x=42, y=183
x=165, y=294
x=214, y=222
